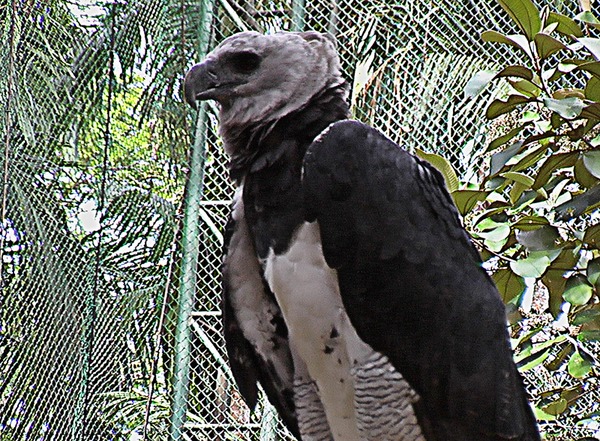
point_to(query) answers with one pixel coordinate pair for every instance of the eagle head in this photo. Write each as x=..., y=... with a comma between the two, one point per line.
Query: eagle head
x=258, y=78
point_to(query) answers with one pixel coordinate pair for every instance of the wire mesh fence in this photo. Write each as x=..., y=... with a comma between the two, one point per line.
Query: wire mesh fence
x=111, y=231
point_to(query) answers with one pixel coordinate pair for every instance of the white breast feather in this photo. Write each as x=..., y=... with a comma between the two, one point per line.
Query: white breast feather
x=364, y=397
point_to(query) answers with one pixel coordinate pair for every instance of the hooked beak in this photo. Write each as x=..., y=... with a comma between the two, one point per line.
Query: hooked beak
x=201, y=83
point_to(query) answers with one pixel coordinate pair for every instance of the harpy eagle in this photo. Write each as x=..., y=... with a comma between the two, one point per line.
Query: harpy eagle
x=351, y=291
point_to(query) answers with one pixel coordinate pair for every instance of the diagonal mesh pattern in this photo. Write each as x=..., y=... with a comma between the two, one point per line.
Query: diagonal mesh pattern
x=97, y=241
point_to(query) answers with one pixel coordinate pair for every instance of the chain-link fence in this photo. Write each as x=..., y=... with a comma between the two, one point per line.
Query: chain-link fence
x=111, y=233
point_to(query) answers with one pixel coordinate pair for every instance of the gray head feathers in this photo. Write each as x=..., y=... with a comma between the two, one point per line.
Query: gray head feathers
x=258, y=79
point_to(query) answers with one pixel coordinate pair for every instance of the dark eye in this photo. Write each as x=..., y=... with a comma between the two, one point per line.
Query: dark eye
x=245, y=62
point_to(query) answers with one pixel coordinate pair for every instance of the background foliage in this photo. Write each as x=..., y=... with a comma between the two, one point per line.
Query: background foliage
x=94, y=163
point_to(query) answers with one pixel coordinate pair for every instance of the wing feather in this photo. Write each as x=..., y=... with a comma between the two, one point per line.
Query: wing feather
x=412, y=283
x=255, y=333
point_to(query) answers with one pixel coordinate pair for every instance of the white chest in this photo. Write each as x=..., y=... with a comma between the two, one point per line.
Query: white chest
x=307, y=292
x=363, y=396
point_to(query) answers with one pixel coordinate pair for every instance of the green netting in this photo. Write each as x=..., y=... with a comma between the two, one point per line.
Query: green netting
x=108, y=223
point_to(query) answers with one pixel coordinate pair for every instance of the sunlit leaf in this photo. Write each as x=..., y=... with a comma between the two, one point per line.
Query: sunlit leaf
x=505, y=138
x=519, y=177
x=528, y=223
x=588, y=18
x=499, y=159
x=561, y=94
x=566, y=25
x=577, y=290
x=556, y=407
x=591, y=160
x=530, y=266
x=568, y=108
x=540, y=415
x=524, y=14
x=533, y=360
x=466, y=200
x=578, y=367
x=443, y=166
x=500, y=232
x=526, y=88
x=585, y=5
x=478, y=82
x=592, y=45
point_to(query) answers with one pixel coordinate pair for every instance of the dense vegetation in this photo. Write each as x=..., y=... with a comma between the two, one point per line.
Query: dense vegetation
x=94, y=162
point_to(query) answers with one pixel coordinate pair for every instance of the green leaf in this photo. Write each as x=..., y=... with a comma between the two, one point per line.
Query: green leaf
x=592, y=45
x=552, y=164
x=577, y=290
x=578, y=367
x=543, y=238
x=532, y=266
x=516, y=71
x=566, y=25
x=466, y=200
x=591, y=335
x=499, y=107
x=588, y=18
x=478, y=82
x=592, y=89
x=443, y=166
x=591, y=112
x=499, y=159
x=583, y=176
x=500, y=232
x=589, y=315
x=524, y=14
x=546, y=45
x=592, y=236
x=509, y=284
x=579, y=204
x=561, y=94
x=516, y=41
x=593, y=272
x=505, y=138
x=592, y=67
x=556, y=407
x=530, y=223
x=533, y=360
x=568, y=108
x=526, y=88
x=591, y=160
x=558, y=360
x=540, y=415
x=554, y=280
x=522, y=178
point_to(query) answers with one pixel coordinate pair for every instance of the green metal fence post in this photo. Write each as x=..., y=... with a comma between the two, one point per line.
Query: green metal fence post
x=190, y=249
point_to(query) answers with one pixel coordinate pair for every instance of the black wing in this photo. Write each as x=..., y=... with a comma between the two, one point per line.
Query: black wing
x=413, y=285
x=255, y=333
